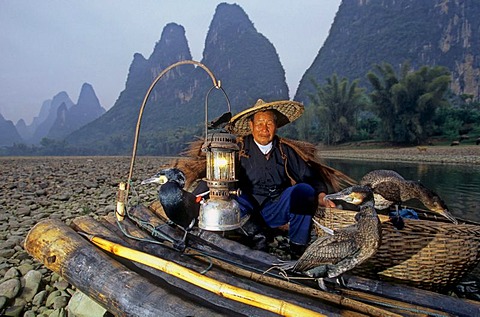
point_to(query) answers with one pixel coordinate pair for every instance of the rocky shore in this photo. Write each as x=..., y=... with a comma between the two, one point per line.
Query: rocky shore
x=462, y=154
x=32, y=189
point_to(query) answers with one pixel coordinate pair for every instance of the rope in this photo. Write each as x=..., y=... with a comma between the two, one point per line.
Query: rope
x=285, y=162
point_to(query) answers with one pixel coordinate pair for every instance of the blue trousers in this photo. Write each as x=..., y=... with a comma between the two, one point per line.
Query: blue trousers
x=295, y=205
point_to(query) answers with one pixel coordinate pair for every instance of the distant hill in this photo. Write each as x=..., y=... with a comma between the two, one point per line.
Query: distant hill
x=364, y=33
x=427, y=32
x=243, y=59
x=23, y=129
x=86, y=110
x=27, y=131
x=59, y=116
x=8, y=133
x=41, y=128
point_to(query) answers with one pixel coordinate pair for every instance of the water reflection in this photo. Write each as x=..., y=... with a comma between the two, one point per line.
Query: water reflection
x=458, y=185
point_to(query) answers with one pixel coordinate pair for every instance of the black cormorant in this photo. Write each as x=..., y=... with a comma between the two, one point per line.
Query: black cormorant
x=179, y=205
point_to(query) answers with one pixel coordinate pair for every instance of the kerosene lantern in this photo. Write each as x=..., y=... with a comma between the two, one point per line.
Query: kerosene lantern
x=220, y=212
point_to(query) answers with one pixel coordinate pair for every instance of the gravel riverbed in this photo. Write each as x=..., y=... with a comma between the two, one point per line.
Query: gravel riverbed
x=33, y=189
x=36, y=188
x=469, y=154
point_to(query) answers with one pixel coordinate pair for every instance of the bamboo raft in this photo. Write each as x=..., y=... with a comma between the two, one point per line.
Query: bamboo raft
x=128, y=287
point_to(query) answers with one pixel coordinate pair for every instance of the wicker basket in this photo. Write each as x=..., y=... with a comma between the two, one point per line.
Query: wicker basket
x=427, y=254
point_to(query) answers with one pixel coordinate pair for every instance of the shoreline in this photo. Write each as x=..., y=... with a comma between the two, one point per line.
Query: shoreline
x=441, y=154
x=465, y=155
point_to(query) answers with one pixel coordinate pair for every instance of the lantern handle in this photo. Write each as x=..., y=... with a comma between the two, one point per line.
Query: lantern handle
x=224, y=118
x=216, y=84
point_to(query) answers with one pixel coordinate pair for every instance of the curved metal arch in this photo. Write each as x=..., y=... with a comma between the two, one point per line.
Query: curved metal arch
x=216, y=84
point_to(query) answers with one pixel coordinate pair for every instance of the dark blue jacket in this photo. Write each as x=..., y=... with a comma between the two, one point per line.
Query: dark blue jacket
x=265, y=177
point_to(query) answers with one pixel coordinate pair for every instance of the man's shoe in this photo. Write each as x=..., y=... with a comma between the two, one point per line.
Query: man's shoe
x=296, y=250
x=259, y=242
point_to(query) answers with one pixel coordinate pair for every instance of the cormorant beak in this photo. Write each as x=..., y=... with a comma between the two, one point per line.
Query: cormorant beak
x=158, y=179
x=448, y=215
x=351, y=198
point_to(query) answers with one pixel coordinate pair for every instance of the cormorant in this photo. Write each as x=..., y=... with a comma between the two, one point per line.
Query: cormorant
x=332, y=255
x=179, y=205
x=390, y=188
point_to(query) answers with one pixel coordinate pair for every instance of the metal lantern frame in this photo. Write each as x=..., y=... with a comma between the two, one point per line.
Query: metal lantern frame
x=220, y=212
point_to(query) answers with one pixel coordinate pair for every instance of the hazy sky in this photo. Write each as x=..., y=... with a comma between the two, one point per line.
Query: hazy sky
x=51, y=46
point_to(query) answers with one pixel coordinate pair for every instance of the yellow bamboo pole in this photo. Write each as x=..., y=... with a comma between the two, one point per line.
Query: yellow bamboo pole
x=330, y=297
x=277, y=306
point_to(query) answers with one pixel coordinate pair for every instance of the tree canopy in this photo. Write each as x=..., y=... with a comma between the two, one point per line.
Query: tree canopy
x=336, y=105
x=406, y=102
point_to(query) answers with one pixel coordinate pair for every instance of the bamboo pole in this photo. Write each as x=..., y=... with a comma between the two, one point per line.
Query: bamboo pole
x=329, y=297
x=108, y=227
x=353, y=302
x=280, y=307
x=204, y=258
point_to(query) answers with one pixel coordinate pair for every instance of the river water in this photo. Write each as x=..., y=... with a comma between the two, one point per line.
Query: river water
x=457, y=185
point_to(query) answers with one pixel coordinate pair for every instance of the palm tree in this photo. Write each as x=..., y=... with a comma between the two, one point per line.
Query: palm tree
x=406, y=103
x=336, y=105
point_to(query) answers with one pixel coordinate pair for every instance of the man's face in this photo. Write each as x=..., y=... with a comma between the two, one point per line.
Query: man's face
x=263, y=127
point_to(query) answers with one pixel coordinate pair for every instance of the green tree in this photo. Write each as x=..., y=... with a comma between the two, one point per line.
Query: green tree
x=406, y=103
x=383, y=78
x=336, y=105
x=461, y=117
x=306, y=128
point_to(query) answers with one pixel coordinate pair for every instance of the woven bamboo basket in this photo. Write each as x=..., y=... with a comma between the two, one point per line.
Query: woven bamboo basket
x=427, y=254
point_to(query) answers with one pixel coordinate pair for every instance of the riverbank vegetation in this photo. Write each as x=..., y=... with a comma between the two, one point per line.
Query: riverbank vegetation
x=405, y=107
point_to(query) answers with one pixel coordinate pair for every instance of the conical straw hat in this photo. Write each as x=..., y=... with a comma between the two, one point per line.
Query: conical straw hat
x=287, y=111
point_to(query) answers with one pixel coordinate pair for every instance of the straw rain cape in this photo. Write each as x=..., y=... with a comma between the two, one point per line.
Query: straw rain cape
x=193, y=163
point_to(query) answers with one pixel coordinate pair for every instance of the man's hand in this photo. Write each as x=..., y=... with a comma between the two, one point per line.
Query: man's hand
x=325, y=203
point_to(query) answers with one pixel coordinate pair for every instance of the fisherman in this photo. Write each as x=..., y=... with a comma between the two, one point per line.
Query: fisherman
x=278, y=186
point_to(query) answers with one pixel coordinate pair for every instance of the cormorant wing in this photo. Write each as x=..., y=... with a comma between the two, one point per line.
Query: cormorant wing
x=388, y=190
x=375, y=177
x=326, y=250
x=192, y=207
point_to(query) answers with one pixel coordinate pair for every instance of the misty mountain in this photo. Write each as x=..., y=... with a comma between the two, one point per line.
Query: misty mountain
x=27, y=131
x=243, y=59
x=428, y=32
x=86, y=110
x=117, y=125
x=364, y=33
x=23, y=129
x=43, y=127
x=8, y=133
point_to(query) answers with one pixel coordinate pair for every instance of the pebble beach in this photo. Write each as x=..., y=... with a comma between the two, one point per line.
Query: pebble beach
x=469, y=154
x=37, y=188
